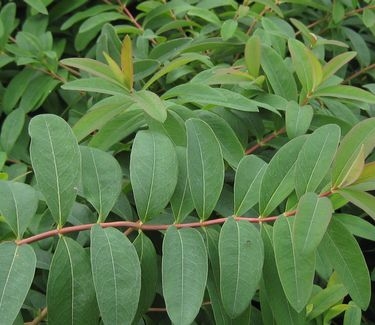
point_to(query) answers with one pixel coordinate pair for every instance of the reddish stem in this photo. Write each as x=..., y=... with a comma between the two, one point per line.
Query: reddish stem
x=264, y=141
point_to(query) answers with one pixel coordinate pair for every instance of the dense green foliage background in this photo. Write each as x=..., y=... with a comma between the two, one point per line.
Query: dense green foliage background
x=206, y=162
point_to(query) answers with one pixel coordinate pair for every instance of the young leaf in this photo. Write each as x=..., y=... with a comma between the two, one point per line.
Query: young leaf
x=151, y=104
x=70, y=289
x=347, y=259
x=241, y=260
x=363, y=200
x=181, y=200
x=101, y=180
x=311, y=222
x=308, y=68
x=56, y=161
x=345, y=92
x=353, y=315
x=115, y=69
x=296, y=271
x=204, y=165
x=361, y=134
x=249, y=175
x=278, y=74
x=16, y=275
x=153, y=172
x=184, y=273
x=117, y=275
x=315, y=158
x=127, y=62
x=297, y=119
x=149, y=271
x=18, y=204
x=253, y=53
x=277, y=182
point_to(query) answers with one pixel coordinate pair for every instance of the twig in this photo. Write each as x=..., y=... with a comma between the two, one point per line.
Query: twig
x=38, y=319
x=358, y=73
x=264, y=141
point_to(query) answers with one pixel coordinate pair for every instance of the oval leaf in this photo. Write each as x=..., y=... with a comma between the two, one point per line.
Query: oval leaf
x=296, y=271
x=18, y=204
x=205, y=166
x=117, y=275
x=277, y=182
x=241, y=260
x=17, y=269
x=153, y=172
x=184, y=273
x=298, y=119
x=247, y=183
x=101, y=180
x=347, y=259
x=70, y=289
x=56, y=160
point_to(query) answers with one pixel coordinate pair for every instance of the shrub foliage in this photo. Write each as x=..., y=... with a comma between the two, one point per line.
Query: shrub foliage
x=203, y=162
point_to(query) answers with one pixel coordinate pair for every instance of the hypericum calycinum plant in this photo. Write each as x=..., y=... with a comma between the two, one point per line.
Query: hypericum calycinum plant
x=198, y=162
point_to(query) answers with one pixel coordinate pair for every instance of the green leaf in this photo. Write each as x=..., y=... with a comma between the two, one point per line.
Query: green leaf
x=11, y=129
x=70, y=289
x=204, y=165
x=363, y=200
x=298, y=119
x=362, y=134
x=347, y=259
x=271, y=285
x=184, y=273
x=205, y=95
x=149, y=268
x=17, y=270
x=56, y=161
x=151, y=104
x=91, y=66
x=241, y=260
x=336, y=63
x=181, y=200
x=277, y=182
x=253, y=52
x=278, y=74
x=101, y=180
x=315, y=158
x=311, y=222
x=345, y=92
x=37, y=5
x=205, y=14
x=228, y=28
x=353, y=315
x=307, y=66
x=99, y=114
x=366, y=181
x=296, y=271
x=117, y=275
x=96, y=85
x=153, y=172
x=18, y=204
x=247, y=182
x=127, y=62
x=231, y=147
x=357, y=226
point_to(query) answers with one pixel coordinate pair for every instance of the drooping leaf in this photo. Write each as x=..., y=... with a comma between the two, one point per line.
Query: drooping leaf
x=205, y=95
x=204, y=165
x=56, y=160
x=315, y=158
x=247, y=182
x=253, y=55
x=153, y=172
x=117, y=275
x=101, y=180
x=311, y=222
x=17, y=269
x=298, y=119
x=184, y=273
x=70, y=289
x=361, y=199
x=241, y=260
x=277, y=182
x=18, y=204
x=149, y=271
x=181, y=200
x=347, y=259
x=361, y=134
x=296, y=271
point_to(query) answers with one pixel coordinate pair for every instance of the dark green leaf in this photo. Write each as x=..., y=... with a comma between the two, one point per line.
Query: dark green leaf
x=11, y=129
